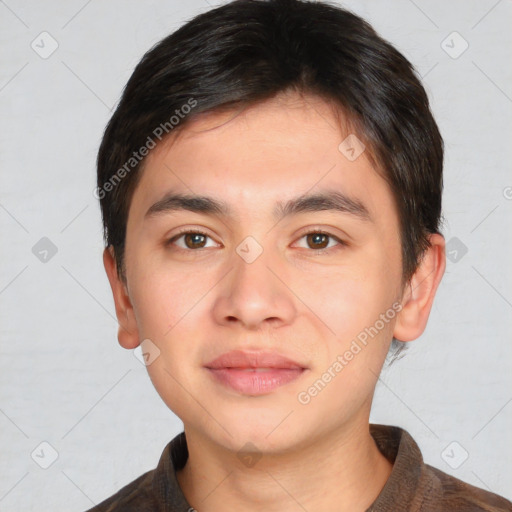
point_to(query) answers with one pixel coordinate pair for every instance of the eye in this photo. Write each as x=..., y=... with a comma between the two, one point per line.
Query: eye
x=318, y=240
x=192, y=239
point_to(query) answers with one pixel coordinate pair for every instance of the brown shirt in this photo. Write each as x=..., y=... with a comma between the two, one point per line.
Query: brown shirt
x=413, y=486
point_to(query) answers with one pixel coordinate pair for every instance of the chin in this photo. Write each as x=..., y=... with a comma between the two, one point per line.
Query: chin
x=263, y=434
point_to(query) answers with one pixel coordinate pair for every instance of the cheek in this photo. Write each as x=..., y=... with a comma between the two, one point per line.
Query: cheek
x=163, y=297
x=353, y=304
x=353, y=297
x=353, y=356
x=171, y=307
x=168, y=310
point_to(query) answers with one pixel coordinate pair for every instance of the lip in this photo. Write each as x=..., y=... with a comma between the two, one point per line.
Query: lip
x=246, y=359
x=254, y=373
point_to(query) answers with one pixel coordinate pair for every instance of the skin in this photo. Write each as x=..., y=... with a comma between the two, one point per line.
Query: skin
x=197, y=303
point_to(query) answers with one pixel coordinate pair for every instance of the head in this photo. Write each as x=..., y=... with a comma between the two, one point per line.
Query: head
x=259, y=104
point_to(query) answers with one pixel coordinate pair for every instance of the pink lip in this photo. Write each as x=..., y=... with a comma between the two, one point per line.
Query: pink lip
x=246, y=359
x=252, y=382
x=237, y=369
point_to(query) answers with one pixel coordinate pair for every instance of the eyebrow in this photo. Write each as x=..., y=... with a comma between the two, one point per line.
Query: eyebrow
x=324, y=201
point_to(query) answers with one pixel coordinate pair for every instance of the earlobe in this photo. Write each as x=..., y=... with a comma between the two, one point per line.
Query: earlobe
x=420, y=291
x=127, y=335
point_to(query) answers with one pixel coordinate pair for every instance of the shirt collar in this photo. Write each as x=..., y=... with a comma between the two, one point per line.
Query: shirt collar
x=397, y=445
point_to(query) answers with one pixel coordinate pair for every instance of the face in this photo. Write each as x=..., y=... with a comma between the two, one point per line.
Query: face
x=264, y=273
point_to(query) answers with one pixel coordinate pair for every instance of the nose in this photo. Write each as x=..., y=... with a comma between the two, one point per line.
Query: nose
x=255, y=294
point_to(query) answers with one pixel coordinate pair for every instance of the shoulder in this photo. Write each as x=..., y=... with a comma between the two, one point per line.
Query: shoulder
x=415, y=486
x=136, y=496
x=445, y=492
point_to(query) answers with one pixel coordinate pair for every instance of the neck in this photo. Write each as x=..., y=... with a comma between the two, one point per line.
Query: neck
x=343, y=471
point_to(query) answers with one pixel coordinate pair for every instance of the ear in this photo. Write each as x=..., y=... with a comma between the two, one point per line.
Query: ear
x=419, y=293
x=127, y=334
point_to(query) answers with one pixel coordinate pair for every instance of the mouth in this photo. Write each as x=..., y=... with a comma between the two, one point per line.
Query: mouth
x=255, y=381
x=254, y=372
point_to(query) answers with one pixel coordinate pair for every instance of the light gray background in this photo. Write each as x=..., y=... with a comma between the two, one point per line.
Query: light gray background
x=64, y=378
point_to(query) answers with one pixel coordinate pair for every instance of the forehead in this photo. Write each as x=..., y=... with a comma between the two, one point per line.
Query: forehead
x=257, y=156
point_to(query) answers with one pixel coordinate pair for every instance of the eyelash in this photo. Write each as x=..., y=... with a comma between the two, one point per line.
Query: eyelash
x=314, y=231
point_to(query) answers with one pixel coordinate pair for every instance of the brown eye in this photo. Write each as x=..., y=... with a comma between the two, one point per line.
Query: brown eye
x=318, y=240
x=192, y=240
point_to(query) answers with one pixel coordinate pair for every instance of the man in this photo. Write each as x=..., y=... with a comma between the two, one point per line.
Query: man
x=270, y=186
